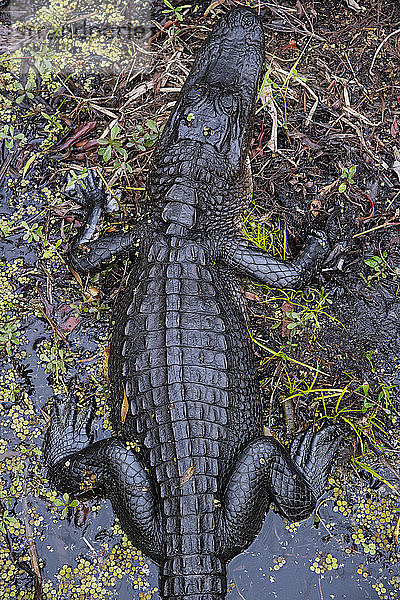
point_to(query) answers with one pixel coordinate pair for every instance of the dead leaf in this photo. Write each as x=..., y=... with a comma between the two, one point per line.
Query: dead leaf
x=76, y=276
x=315, y=206
x=212, y=6
x=78, y=133
x=124, y=407
x=291, y=45
x=85, y=145
x=299, y=9
x=286, y=308
x=394, y=128
x=70, y=323
x=396, y=531
x=188, y=474
x=106, y=360
x=251, y=296
x=354, y=5
x=81, y=514
x=396, y=168
x=92, y=294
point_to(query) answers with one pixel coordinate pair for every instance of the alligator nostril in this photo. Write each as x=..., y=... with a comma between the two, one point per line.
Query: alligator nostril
x=241, y=18
x=234, y=18
x=248, y=20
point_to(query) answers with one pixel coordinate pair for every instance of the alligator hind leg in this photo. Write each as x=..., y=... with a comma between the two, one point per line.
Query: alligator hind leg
x=107, y=467
x=266, y=472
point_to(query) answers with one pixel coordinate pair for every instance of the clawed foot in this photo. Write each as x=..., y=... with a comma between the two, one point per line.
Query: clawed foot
x=315, y=453
x=69, y=431
x=90, y=193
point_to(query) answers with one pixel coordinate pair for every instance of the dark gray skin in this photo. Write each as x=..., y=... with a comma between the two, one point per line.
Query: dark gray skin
x=196, y=493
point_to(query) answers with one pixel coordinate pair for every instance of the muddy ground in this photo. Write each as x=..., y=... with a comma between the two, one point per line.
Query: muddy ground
x=79, y=88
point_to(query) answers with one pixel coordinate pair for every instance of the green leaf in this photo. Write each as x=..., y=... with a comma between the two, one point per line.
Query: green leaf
x=374, y=262
x=107, y=154
x=58, y=502
x=114, y=131
x=152, y=125
x=342, y=188
x=122, y=152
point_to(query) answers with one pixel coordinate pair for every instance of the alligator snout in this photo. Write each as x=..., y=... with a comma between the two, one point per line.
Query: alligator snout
x=242, y=17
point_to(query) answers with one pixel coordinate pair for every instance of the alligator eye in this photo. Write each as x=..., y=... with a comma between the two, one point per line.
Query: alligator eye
x=228, y=103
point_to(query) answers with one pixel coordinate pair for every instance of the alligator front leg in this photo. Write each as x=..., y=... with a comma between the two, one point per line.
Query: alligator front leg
x=255, y=263
x=88, y=254
x=266, y=472
x=107, y=467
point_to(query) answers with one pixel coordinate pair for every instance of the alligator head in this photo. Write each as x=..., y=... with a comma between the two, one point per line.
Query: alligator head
x=204, y=147
x=216, y=103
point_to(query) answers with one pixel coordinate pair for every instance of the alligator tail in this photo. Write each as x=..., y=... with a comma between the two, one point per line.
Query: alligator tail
x=194, y=577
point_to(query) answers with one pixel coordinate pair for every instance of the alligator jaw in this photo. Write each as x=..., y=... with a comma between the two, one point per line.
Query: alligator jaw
x=216, y=104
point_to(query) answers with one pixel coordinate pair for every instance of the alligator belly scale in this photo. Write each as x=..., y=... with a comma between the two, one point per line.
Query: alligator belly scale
x=194, y=491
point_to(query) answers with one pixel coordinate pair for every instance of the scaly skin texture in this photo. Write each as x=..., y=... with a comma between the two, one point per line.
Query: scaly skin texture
x=196, y=493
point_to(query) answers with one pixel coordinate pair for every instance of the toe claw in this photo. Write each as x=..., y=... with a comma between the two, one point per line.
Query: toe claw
x=69, y=431
x=315, y=454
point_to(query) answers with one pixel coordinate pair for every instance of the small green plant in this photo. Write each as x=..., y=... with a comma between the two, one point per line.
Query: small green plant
x=112, y=145
x=380, y=267
x=304, y=310
x=25, y=92
x=33, y=233
x=6, y=520
x=9, y=335
x=66, y=503
x=77, y=178
x=299, y=321
x=175, y=11
x=53, y=125
x=7, y=133
x=49, y=249
x=347, y=175
x=54, y=358
x=145, y=136
x=264, y=235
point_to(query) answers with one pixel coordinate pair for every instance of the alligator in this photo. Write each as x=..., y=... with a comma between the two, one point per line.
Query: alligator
x=189, y=470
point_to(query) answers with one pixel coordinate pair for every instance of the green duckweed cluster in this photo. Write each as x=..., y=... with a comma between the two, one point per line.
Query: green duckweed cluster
x=22, y=425
x=96, y=577
x=373, y=518
x=11, y=307
x=323, y=563
x=279, y=561
x=292, y=527
x=80, y=37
